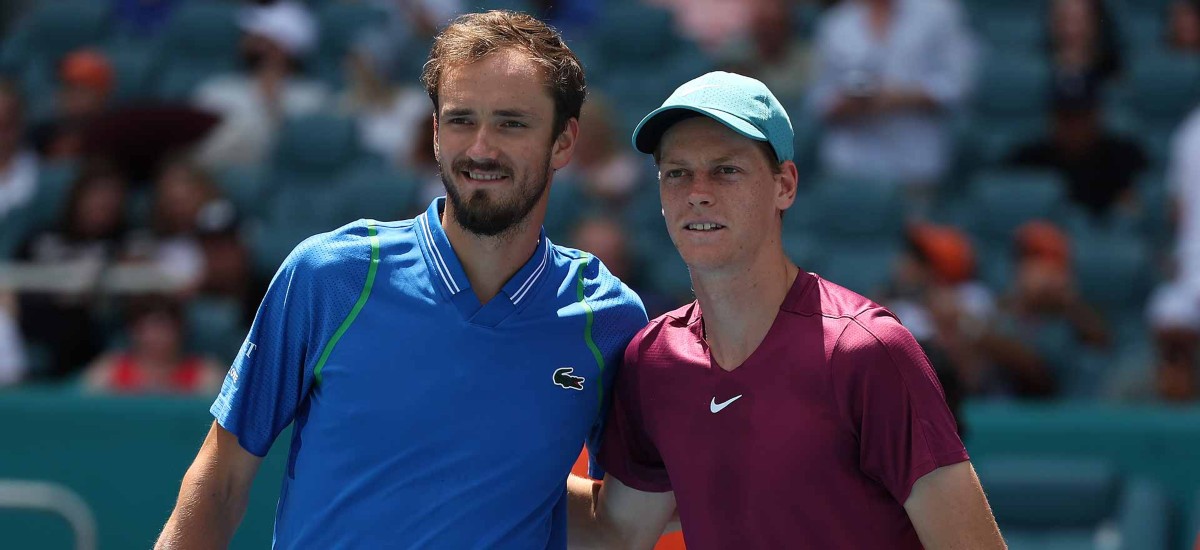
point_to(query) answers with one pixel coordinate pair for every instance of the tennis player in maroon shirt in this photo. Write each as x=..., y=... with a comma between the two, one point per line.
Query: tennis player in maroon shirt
x=778, y=410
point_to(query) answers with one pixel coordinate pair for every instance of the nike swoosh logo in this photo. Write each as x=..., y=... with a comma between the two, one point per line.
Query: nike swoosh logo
x=716, y=407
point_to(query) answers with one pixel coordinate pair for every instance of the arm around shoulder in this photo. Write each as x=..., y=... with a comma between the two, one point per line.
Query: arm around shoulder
x=949, y=510
x=213, y=496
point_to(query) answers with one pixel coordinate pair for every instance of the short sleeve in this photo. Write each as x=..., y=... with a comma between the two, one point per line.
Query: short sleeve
x=888, y=392
x=308, y=298
x=264, y=386
x=628, y=452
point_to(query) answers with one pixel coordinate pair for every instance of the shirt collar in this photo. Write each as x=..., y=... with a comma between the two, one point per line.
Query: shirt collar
x=449, y=270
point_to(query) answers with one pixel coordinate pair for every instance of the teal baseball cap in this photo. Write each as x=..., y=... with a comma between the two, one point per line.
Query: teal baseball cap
x=742, y=103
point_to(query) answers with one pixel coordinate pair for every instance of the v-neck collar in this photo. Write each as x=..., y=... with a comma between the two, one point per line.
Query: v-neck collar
x=451, y=279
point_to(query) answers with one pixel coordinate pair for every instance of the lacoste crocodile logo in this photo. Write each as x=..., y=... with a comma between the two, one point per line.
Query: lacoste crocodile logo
x=564, y=378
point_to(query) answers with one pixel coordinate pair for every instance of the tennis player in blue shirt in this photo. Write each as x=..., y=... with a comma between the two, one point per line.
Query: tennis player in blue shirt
x=441, y=372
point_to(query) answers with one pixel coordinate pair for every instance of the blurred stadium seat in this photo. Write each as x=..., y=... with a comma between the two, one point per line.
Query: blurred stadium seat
x=1003, y=199
x=199, y=41
x=1063, y=504
x=342, y=23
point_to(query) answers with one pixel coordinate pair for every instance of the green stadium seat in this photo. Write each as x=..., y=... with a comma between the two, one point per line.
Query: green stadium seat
x=1113, y=272
x=317, y=144
x=54, y=185
x=857, y=209
x=341, y=24
x=1003, y=199
x=246, y=188
x=1014, y=32
x=1060, y=504
x=1142, y=30
x=863, y=268
x=667, y=273
x=633, y=34
x=1162, y=86
x=56, y=28
x=215, y=327
x=200, y=40
x=381, y=194
x=134, y=66
x=1012, y=86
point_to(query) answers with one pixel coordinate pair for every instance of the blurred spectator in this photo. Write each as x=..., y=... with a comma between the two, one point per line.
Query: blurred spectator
x=86, y=84
x=388, y=115
x=155, y=361
x=143, y=18
x=1044, y=324
x=1174, y=308
x=1082, y=40
x=605, y=237
x=1183, y=26
x=18, y=164
x=1099, y=167
x=277, y=38
x=226, y=259
x=12, y=349
x=90, y=236
x=887, y=76
x=181, y=192
x=772, y=51
x=935, y=293
x=713, y=24
x=604, y=167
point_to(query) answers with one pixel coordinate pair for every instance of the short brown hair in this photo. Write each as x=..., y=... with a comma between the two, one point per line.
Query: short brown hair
x=473, y=36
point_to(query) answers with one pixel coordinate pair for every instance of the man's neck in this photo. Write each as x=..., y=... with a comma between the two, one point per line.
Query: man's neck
x=491, y=261
x=739, y=306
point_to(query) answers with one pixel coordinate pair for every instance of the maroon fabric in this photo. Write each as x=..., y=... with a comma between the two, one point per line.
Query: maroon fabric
x=840, y=413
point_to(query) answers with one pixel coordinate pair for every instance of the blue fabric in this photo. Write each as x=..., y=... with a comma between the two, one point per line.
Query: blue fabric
x=437, y=421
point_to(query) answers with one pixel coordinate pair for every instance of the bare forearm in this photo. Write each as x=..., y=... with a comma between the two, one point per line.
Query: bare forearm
x=584, y=528
x=213, y=496
x=205, y=515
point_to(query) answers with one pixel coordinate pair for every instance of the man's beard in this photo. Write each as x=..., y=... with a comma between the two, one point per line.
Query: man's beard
x=481, y=214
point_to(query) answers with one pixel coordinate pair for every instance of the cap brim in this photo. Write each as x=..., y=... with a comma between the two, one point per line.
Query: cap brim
x=651, y=129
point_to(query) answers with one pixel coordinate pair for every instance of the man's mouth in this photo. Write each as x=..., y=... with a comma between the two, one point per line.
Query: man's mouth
x=482, y=176
x=704, y=226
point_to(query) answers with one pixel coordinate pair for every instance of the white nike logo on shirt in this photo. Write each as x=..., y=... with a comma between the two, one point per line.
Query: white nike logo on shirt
x=716, y=407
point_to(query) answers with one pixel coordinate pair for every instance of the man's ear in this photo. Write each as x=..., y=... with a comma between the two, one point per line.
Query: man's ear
x=564, y=144
x=787, y=181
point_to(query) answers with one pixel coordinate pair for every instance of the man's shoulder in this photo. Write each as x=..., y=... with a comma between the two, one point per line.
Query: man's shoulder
x=591, y=280
x=663, y=331
x=351, y=246
x=821, y=297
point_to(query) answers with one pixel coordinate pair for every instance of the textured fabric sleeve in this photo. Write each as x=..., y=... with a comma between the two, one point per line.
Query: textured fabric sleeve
x=628, y=452
x=273, y=371
x=620, y=316
x=888, y=392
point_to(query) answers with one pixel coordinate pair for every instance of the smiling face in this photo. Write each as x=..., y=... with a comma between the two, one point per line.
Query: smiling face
x=494, y=144
x=721, y=198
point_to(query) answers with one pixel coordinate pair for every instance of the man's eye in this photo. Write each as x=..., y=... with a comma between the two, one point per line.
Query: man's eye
x=727, y=170
x=459, y=120
x=670, y=174
x=514, y=124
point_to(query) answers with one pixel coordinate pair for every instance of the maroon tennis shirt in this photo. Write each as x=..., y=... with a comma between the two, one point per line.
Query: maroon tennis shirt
x=815, y=441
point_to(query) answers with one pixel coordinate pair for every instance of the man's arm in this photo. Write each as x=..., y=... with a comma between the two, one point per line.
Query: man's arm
x=949, y=510
x=214, y=494
x=614, y=515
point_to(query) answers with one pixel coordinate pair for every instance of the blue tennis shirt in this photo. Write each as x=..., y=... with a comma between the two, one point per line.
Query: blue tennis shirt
x=422, y=417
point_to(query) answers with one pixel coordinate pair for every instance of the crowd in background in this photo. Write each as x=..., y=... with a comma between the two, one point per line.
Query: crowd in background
x=1018, y=181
